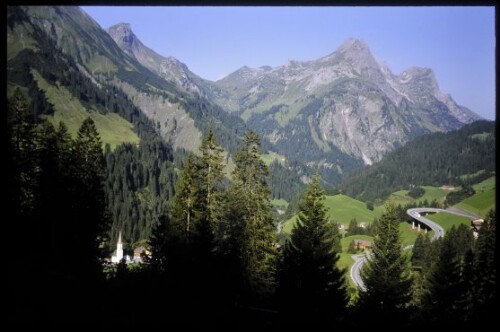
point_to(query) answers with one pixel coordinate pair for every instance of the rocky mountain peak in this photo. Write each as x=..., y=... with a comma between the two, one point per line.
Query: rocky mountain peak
x=122, y=32
x=168, y=68
x=356, y=108
x=421, y=78
x=357, y=53
x=125, y=38
x=346, y=100
x=353, y=45
x=418, y=72
x=175, y=63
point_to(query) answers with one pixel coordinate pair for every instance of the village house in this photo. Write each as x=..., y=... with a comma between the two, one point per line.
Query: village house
x=362, y=244
x=476, y=226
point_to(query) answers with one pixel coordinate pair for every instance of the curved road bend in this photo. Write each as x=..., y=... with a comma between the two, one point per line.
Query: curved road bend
x=415, y=213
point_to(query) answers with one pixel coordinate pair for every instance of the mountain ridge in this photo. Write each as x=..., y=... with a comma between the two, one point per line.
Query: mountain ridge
x=167, y=67
x=458, y=157
x=332, y=114
x=403, y=106
x=346, y=108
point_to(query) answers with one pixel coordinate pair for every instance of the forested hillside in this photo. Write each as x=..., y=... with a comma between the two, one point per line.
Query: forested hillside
x=462, y=156
x=224, y=233
x=70, y=73
x=66, y=47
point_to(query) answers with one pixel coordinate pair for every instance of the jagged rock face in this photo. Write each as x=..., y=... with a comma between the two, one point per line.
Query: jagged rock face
x=169, y=68
x=175, y=125
x=360, y=106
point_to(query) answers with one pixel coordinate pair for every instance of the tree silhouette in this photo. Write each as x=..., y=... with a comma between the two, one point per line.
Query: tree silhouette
x=312, y=287
x=249, y=224
x=386, y=274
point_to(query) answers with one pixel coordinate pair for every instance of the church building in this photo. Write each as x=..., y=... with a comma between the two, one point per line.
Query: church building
x=118, y=256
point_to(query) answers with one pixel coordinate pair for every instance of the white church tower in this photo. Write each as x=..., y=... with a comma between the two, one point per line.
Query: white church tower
x=119, y=250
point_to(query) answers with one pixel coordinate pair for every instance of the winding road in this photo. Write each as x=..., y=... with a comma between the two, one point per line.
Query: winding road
x=416, y=214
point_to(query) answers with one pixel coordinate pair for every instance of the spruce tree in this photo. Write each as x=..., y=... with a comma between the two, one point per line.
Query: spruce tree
x=484, y=290
x=53, y=149
x=89, y=228
x=211, y=173
x=249, y=225
x=449, y=287
x=311, y=285
x=418, y=252
x=164, y=243
x=386, y=274
x=422, y=259
x=186, y=203
x=196, y=190
x=21, y=136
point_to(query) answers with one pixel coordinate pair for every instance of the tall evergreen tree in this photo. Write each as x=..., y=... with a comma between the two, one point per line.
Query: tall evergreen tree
x=89, y=228
x=419, y=250
x=386, y=275
x=53, y=148
x=249, y=224
x=186, y=202
x=423, y=259
x=21, y=136
x=211, y=172
x=447, y=301
x=164, y=243
x=311, y=285
x=484, y=290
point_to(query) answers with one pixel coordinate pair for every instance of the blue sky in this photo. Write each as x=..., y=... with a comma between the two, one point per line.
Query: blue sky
x=458, y=43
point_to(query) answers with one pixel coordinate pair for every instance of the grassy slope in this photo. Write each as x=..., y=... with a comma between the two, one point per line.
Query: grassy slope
x=342, y=209
x=447, y=220
x=113, y=129
x=409, y=235
x=18, y=40
x=483, y=200
x=431, y=193
x=268, y=158
x=345, y=262
x=279, y=203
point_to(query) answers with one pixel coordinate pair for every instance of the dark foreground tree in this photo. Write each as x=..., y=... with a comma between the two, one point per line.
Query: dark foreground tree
x=484, y=289
x=449, y=283
x=312, y=288
x=250, y=237
x=386, y=275
x=89, y=224
x=21, y=156
x=164, y=243
x=54, y=188
x=212, y=173
x=58, y=203
x=185, y=206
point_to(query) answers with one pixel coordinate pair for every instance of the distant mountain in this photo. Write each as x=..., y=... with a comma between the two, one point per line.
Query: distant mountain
x=331, y=115
x=466, y=154
x=334, y=114
x=180, y=114
x=168, y=68
x=345, y=101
